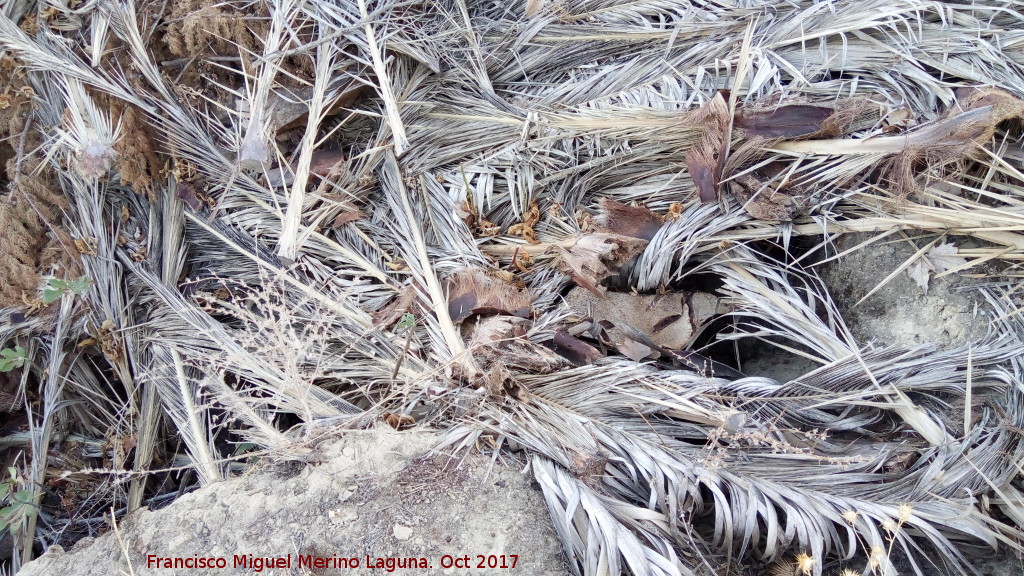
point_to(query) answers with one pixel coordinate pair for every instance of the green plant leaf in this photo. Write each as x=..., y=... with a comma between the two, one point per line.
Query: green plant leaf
x=408, y=321
x=50, y=295
x=12, y=358
x=79, y=285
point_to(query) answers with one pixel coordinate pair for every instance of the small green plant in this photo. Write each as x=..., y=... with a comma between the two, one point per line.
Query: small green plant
x=11, y=358
x=407, y=321
x=243, y=448
x=18, y=503
x=56, y=288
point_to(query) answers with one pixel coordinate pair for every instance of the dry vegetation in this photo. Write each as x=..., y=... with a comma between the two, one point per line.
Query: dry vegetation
x=295, y=214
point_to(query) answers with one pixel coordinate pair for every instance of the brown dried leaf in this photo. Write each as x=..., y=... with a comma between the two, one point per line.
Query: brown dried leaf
x=597, y=256
x=475, y=291
x=321, y=164
x=573, y=349
x=764, y=201
x=704, y=161
x=347, y=216
x=292, y=110
x=499, y=340
x=782, y=122
x=187, y=194
x=398, y=421
x=486, y=228
x=388, y=315
x=634, y=221
x=668, y=320
x=634, y=350
x=522, y=261
x=525, y=228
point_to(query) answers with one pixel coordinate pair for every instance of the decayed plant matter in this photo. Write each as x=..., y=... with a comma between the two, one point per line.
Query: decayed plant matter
x=293, y=214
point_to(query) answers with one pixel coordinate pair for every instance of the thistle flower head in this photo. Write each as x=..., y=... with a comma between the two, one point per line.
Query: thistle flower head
x=805, y=563
x=906, y=513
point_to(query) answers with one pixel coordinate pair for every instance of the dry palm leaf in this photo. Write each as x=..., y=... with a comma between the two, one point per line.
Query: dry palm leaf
x=516, y=119
x=477, y=291
x=594, y=257
x=668, y=320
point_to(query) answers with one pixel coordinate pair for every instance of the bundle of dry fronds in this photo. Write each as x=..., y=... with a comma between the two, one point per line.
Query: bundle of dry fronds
x=292, y=213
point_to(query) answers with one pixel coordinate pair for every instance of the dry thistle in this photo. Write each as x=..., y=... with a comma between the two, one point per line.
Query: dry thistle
x=805, y=563
x=906, y=513
x=876, y=557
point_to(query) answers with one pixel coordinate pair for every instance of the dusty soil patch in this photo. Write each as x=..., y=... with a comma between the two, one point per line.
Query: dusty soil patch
x=900, y=312
x=375, y=494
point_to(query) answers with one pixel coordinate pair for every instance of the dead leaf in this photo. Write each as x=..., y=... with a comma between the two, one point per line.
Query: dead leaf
x=500, y=340
x=291, y=109
x=920, y=273
x=499, y=381
x=634, y=350
x=667, y=320
x=573, y=349
x=347, y=216
x=398, y=421
x=936, y=261
x=704, y=161
x=522, y=261
x=388, y=315
x=475, y=291
x=525, y=228
x=597, y=256
x=633, y=221
x=782, y=122
x=321, y=164
x=675, y=210
x=762, y=199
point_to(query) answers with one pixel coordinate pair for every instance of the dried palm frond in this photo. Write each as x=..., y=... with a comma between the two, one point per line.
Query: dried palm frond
x=640, y=426
x=249, y=287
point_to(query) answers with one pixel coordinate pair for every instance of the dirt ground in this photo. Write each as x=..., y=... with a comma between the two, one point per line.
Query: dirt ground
x=364, y=495
x=899, y=312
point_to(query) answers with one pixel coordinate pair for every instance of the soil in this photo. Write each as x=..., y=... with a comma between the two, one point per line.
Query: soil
x=367, y=495
x=951, y=313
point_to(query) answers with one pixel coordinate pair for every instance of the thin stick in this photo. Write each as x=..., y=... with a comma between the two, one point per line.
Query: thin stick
x=120, y=542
